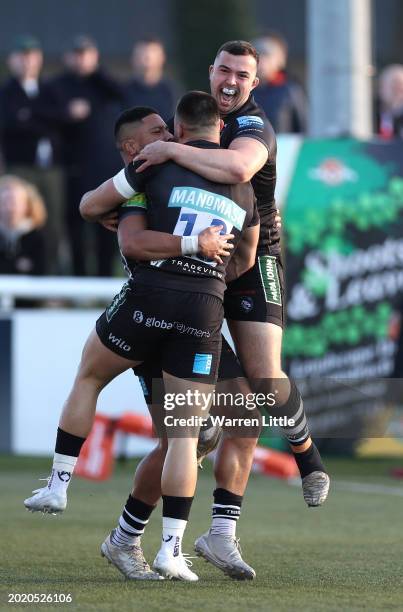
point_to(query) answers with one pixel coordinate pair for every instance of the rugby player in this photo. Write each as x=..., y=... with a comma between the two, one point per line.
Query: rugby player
x=254, y=312
x=190, y=292
x=254, y=303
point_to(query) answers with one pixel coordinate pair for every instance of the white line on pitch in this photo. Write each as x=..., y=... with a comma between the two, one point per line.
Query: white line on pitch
x=357, y=487
x=362, y=487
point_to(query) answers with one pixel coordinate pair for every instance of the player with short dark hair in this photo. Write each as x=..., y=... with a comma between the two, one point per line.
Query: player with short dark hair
x=183, y=290
x=254, y=302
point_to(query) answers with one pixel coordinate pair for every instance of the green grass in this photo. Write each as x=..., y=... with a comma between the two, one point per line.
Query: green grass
x=344, y=556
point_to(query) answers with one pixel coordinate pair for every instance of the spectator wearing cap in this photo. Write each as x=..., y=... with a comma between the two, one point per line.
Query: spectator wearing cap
x=149, y=86
x=22, y=217
x=30, y=121
x=282, y=99
x=92, y=100
x=389, y=105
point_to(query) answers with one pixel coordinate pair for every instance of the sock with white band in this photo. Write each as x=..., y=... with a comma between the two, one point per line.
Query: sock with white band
x=62, y=470
x=132, y=522
x=172, y=535
x=226, y=511
x=175, y=514
x=67, y=450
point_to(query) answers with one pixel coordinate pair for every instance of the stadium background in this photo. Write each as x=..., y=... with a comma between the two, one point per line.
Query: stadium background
x=348, y=554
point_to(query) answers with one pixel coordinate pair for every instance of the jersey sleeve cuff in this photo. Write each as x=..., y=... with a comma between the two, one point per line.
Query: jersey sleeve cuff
x=122, y=185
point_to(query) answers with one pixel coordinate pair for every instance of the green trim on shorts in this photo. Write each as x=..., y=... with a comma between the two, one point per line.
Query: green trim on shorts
x=270, y=279
x=117, y=302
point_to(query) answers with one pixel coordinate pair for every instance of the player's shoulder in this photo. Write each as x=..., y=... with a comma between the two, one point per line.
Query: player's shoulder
x=251, y=118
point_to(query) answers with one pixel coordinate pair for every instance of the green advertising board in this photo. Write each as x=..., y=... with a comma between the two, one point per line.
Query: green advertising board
x=344, y=267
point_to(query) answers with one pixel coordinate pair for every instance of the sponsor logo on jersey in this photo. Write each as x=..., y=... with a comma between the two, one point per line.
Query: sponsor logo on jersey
x=136, y=201
x=247, y=304
x=250, y=121
x=195, y=268
x=206, y=201
x=202, y=363
x=117, y=302
x=270, y=279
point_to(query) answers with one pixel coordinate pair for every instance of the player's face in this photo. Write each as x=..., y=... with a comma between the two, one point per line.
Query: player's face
x=232, y=78
x=153, y=128
x=148, y=130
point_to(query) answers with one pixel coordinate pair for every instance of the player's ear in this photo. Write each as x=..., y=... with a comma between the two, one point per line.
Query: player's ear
x=210, y=70
x=179, y=131
x=130, y=148
x=255, y=82
x=221, y=125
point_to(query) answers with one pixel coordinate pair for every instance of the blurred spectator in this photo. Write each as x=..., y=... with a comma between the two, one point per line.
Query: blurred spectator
x=22, y=215
x=92, y=102
x=282, y=99
x=390, y=102
x=149, y=87
x=30, y=138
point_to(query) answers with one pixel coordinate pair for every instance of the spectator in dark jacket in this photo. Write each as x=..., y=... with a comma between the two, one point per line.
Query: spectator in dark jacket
x=282, y=99
x=149, y=87
x=92, y=100
x=22, y=217
x=30, y=122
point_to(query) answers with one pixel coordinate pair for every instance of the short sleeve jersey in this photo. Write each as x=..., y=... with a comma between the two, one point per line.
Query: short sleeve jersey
x=250, y=121
x=182, y=203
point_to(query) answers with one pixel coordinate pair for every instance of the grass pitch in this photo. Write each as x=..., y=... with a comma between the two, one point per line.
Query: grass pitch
x=345, y=556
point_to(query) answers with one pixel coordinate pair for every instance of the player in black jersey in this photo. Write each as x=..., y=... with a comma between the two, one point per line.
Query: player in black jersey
x=184, y=204
x=254, y=302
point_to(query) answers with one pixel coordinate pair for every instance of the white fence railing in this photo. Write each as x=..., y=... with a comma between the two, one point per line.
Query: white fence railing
x=77, y=290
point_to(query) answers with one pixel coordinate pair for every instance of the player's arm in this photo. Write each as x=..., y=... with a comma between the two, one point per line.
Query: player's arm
x=237, y=164
x=139, y=243
x=245, y=254
x=105, y=198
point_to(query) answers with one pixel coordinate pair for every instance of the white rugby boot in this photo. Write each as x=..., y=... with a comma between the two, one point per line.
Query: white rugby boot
x=129, y=560
x=47, y=501
x=315, y=488
x=224, y=552
x=174, y=568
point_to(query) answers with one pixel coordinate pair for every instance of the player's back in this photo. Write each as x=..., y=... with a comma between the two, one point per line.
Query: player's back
x=183, y=203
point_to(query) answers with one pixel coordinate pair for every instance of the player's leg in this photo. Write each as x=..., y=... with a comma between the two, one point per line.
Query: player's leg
x=254, y=307
x=232, y=465
x=123, y=547
x=178, y=481
x=102, y=360
x=97, y=368
x=190, y=366
x=258, y=346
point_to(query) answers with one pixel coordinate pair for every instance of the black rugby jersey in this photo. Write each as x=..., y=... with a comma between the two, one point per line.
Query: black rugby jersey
x=180, y=202
x=250, y=121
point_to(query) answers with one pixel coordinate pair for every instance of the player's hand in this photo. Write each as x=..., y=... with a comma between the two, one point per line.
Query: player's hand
x=214, y=245
x=278, y=220
x=154, y=153
x=110, y=221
